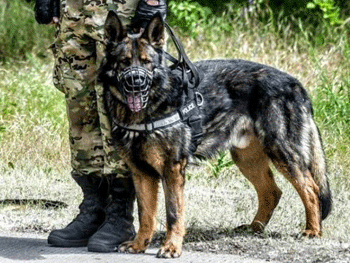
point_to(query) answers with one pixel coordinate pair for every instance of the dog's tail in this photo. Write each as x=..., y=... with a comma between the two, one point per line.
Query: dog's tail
x=318, y=169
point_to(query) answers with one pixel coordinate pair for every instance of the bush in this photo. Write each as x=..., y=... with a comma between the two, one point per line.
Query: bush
x=331, y=12
x=188, y=15
x=307, y=24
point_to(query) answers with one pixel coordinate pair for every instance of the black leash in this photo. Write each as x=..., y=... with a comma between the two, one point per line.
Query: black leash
x=184, y=62
x=190, y=113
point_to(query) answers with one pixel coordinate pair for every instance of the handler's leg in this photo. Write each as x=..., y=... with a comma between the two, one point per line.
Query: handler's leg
x=91, y=158
x=75, y=68
x=78, y=52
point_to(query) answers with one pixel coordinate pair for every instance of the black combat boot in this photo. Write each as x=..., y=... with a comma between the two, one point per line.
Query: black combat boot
x=118, y=225
x=91, y=216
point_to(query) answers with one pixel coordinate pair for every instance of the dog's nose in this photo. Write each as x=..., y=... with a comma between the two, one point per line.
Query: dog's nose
x=136, y=79
x=136, y=82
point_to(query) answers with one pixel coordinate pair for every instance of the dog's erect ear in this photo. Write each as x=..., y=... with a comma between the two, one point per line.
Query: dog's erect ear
x=155, y=32
x=113, y=28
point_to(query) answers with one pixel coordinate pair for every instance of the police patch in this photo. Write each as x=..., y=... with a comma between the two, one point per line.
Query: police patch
x=152, y=2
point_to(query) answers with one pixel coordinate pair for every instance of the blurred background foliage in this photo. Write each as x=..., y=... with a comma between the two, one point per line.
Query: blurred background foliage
x=20, y=35
x=312, y=18
x=315, y=22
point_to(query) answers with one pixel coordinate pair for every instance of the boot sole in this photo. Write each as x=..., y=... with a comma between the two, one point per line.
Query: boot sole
x=60, y=242
x=102, y=248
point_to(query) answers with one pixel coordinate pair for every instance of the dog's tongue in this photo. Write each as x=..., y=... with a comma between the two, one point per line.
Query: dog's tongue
x=135, y=103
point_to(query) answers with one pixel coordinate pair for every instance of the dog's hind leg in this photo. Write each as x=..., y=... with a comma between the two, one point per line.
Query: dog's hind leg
x=301, y=161
x=308, y=191
x=254, y=164
x=173, y=185
x=147, y=196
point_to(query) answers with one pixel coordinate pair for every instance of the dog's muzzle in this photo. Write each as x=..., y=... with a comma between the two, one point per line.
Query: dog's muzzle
x=136, y=82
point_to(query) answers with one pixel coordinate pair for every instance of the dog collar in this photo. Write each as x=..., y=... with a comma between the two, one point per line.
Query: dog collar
x=153, y=125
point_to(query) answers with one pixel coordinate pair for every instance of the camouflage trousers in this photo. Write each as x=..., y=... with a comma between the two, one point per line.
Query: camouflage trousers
x=78, y=51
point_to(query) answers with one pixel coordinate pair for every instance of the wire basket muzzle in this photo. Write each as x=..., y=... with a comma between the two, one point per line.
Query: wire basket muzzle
x=136, y=82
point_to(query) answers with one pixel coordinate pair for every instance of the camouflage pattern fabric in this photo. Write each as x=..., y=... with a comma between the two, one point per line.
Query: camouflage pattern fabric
x=78, y=51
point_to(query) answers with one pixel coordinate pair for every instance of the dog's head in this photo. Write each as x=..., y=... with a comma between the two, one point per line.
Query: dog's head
x=134, y=69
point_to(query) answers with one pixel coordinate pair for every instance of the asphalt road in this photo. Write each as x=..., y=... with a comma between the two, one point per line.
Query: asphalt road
x=23, y=247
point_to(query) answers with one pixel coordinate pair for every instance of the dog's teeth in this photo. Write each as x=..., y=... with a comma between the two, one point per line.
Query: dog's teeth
x=126, y=135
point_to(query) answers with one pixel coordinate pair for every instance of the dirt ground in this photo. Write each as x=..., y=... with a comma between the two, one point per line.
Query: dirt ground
x=214, y=208
x=291, y=249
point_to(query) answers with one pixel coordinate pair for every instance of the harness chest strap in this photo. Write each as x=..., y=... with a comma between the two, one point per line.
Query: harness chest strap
x=187, y=114
x=151, y=126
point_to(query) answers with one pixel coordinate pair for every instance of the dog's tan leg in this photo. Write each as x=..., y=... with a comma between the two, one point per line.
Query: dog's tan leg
x=173, y=185
x=308, y=192
x=254, y=164
x=147, y=196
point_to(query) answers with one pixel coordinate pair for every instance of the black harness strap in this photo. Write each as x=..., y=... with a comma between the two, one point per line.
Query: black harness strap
x=184, y=61
x=190, y=112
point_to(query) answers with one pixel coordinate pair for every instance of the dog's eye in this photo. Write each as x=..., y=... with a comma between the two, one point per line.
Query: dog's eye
x=146, y=61
x=125, y=61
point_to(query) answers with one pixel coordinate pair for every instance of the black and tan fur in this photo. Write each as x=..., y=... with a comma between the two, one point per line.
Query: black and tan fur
x=258, y=113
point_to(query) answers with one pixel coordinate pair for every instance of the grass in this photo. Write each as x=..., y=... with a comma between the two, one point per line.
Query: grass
x=33, y=137
x=34, y=154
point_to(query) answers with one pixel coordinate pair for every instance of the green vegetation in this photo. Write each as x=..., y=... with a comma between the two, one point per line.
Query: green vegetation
x=20, y=35
x=311, y=43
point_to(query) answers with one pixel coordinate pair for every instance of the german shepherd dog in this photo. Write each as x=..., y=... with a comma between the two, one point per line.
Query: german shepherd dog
x=258, y=113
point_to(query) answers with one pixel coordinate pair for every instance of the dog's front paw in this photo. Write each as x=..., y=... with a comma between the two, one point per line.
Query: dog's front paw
x=243, y=229
x=132, y=247
x=311, y=233
x=170, y=251
x=255, y=227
